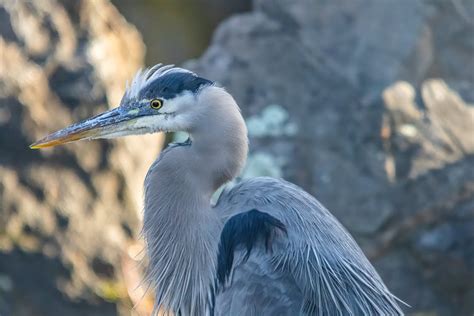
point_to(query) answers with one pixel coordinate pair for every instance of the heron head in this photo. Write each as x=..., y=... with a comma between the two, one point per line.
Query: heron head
x=161, y=98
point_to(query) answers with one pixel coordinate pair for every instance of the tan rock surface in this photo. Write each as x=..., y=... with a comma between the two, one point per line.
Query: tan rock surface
x=69, y=214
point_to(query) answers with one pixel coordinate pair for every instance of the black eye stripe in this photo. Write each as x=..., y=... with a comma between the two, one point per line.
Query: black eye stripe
x=170, y=85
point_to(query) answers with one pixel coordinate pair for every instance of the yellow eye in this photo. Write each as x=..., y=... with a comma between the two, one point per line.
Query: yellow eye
x=156, y=104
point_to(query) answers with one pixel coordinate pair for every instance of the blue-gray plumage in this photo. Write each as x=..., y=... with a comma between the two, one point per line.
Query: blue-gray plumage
x=265, y=248
x=245, y=229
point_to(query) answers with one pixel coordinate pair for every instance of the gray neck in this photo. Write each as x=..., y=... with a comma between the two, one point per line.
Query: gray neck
x=180, y=227
x=219, y=140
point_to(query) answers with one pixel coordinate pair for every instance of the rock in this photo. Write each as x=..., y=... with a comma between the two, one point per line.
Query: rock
x=378, y=94
x=68, y=215
x=425, y=140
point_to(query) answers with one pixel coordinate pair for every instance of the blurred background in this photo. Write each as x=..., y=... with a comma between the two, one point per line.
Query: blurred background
x=366, y=104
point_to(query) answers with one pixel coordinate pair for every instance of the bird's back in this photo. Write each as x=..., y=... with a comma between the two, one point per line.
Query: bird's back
x=282, y=253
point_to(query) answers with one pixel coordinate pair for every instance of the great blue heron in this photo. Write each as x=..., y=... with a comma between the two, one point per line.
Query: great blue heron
x=265, y=248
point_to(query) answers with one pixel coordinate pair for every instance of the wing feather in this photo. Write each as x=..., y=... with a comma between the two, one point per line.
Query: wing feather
x=326, y=263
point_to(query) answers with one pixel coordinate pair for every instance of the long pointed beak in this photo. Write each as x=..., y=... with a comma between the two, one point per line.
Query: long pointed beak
x=98, y=126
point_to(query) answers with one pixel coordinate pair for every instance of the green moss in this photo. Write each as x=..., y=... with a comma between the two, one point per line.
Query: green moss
x=111, y=291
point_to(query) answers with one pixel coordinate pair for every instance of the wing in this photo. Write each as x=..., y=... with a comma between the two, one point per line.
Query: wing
x=248, y=282
x=245, y=229
x=307, y=243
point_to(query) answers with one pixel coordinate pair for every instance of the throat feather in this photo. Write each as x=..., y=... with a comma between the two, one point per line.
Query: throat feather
x=181, y=233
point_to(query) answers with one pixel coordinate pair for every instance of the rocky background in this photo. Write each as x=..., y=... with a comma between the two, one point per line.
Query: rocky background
x=69, y=216
x=366, y=104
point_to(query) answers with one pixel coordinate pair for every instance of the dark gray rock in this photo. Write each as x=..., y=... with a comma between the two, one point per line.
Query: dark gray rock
x=340, y=99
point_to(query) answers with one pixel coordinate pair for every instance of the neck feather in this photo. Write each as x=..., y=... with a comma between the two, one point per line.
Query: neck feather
x=219, y=139
x=180, y=227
